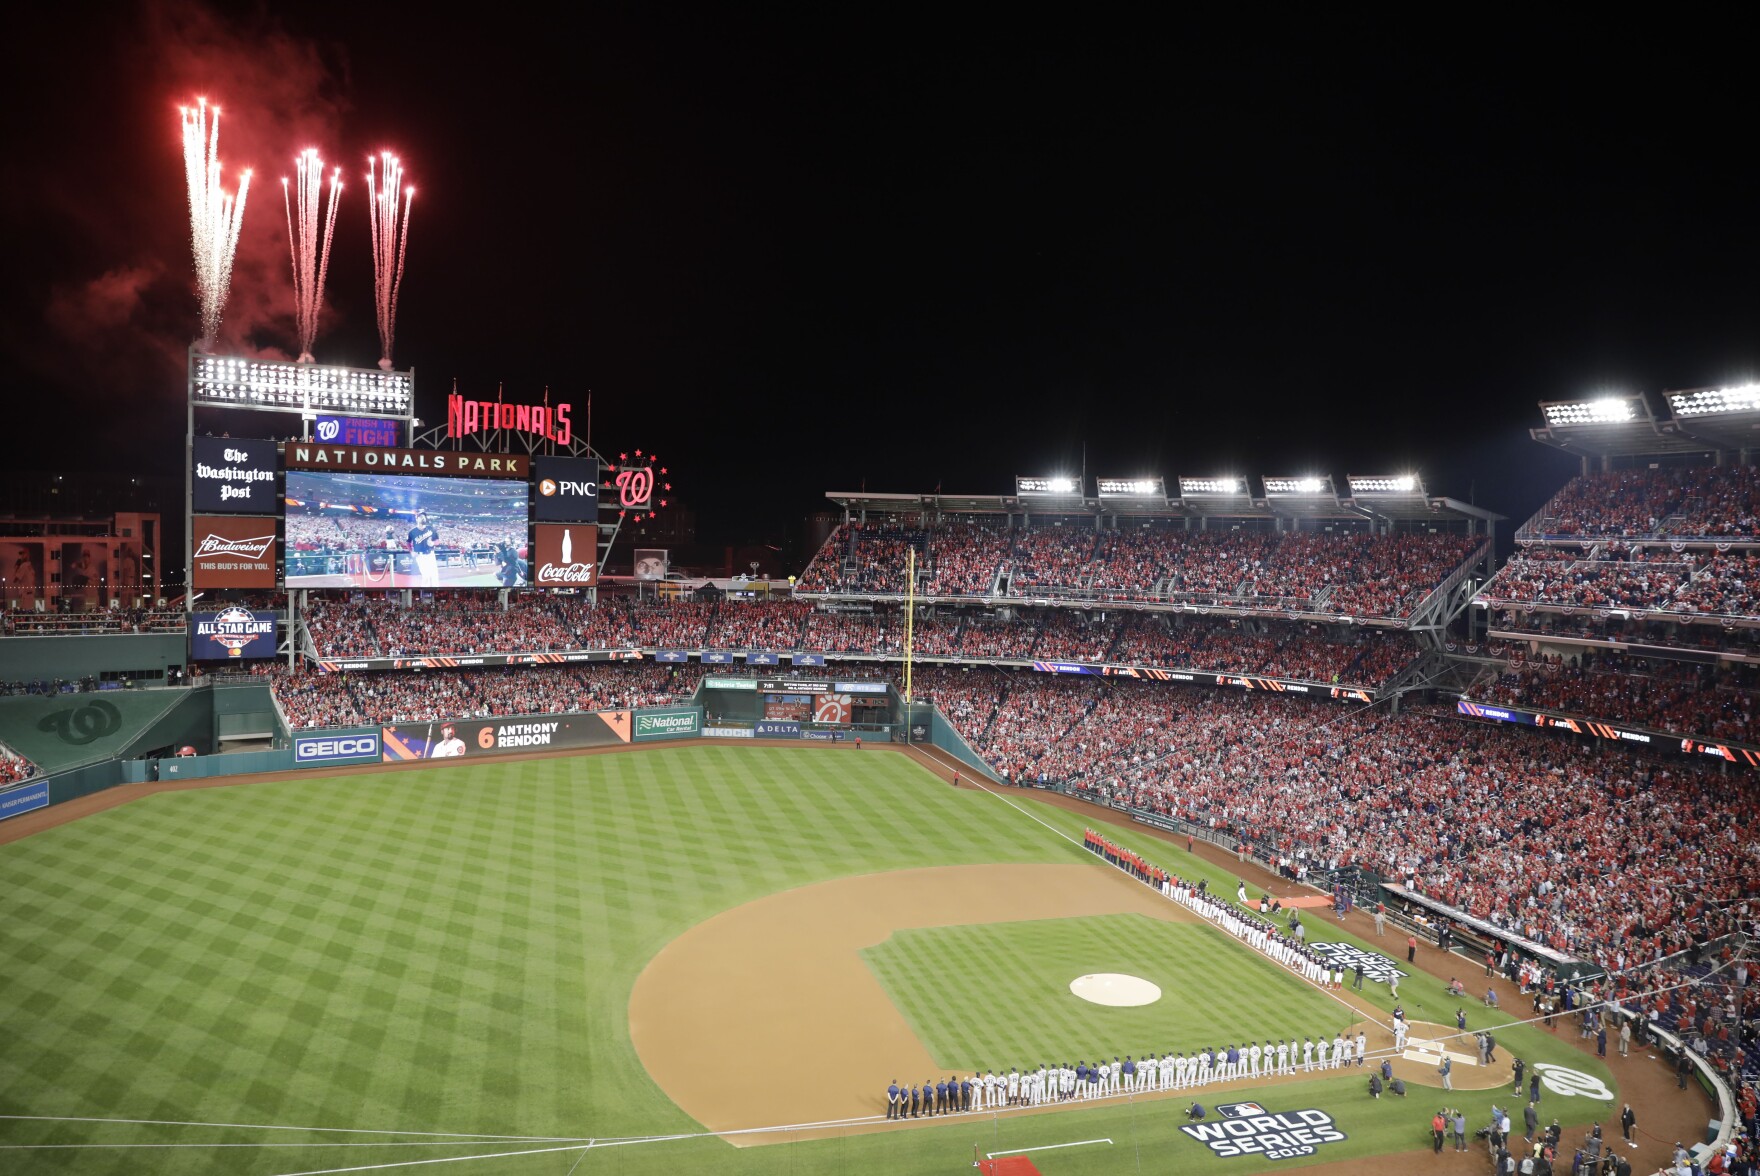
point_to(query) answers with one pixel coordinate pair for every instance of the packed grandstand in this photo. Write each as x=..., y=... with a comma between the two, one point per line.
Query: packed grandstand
x=1631, y=598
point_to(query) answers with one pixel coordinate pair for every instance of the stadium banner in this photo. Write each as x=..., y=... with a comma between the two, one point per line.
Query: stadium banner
x=1497, y=713
x=831, y=708
x=357, y=459
x=729, y=684
x=773, y=729
x=374, y=432
x=671, y=655
x=22, y=566
x=23, y=799
x=762, y=659
x=806, y=659
x=474, y=738
x=791, y=686
x=233, y=632
x=717, y=657
x=823, y=735
x=472, y=660
x=727, y=733
x=567, y=489
x=667, y=724
x=1066, y=668
x=232, y=552
x=859, y=687
x=564, y=557
x=359, y=746
x=651, y=563
x=229, y=475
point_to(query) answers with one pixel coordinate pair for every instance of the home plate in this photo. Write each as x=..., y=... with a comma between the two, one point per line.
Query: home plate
x=1115, y=989
x=1431, y=1053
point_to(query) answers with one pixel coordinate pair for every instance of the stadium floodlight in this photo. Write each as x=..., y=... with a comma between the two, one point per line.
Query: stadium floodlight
x=1059, y=486
x=1603, y=410
x=217, y=381
x=1715, y=401
x=1223, y=487
x=1389, y=485
x=1308, y=486
x=1132, y=488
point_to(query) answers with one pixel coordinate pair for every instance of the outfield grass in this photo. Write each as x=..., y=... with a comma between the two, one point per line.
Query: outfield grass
x=453, y=950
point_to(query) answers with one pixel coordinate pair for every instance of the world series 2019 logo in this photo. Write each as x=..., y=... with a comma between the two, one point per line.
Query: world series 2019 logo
x=1376, y=967
x=1248, y=1129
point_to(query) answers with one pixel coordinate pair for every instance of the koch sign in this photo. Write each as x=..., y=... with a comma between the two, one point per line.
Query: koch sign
x=232, y=476
x=340, y=430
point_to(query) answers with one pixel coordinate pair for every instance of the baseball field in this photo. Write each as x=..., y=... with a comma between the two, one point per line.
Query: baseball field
x=692, y=958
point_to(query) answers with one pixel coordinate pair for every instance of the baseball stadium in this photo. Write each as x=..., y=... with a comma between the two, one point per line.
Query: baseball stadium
x=1215, y=825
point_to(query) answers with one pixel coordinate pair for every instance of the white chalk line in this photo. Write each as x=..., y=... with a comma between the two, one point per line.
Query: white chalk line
x=1021, y=1151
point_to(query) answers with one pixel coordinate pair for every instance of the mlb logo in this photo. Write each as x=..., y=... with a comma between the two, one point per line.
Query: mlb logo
x=1239, y=1110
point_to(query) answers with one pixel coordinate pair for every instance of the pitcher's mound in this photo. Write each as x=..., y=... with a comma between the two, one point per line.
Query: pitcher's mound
x=1115, y=989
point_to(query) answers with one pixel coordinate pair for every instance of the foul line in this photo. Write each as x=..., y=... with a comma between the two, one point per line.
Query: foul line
x=1021, y=1151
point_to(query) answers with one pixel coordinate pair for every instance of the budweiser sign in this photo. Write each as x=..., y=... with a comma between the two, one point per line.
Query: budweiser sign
x=565, y=556
x=236, y=552
x=220, y=545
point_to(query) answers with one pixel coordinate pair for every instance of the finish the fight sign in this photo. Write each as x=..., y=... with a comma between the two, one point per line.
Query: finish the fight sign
x=1248, y=1129
x=1376, y=967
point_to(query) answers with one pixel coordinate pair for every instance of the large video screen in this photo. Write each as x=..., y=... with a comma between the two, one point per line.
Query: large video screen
x=363, y=530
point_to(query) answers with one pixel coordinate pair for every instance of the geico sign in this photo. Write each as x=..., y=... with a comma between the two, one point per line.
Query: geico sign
x=342, y=747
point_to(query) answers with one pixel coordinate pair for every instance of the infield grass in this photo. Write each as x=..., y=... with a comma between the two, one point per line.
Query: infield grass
x=452, y=950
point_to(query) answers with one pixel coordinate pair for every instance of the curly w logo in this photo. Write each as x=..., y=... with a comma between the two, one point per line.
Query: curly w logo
x=82, y=724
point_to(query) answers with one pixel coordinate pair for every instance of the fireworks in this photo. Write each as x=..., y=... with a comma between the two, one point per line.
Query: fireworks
x=214, y=214
x=311, y=255
x=390, y=239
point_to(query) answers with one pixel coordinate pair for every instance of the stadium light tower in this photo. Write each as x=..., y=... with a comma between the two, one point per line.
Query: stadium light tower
x=1055, y=486
x=1133, y=488
x=1225, y=486
x=1386, y=486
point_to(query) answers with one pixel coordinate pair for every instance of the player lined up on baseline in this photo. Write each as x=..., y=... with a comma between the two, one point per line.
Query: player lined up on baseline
x=992, y=1089
x=1288, y=949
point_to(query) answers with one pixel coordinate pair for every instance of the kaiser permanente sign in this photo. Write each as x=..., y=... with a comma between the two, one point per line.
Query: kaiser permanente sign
x=668, y=724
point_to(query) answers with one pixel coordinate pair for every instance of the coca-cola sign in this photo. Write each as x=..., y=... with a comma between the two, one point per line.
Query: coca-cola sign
x=565, y=556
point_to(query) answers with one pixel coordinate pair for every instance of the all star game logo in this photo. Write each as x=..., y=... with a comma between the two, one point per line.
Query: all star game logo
x=1376, y=967
x=1248, y=1129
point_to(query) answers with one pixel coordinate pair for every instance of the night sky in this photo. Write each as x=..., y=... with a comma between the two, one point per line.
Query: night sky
x=799, y=250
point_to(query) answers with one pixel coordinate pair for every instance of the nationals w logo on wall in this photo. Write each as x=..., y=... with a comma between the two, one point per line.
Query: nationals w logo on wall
x=1248, y=1129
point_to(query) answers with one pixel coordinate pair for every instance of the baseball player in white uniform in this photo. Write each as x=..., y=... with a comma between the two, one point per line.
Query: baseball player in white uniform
x=450, y=744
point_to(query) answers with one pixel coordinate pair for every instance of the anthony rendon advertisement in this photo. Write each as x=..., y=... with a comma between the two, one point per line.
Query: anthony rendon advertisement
x=469, y=738
x=232, y=552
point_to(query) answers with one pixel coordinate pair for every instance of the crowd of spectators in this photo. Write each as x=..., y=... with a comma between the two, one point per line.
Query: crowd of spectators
x=14, y=768
x=310, y=699
x=1588, y=849
x=31, y=623
x=1677, y=697
x=1692, y=583
x=1721, y=502
x=1352, y=572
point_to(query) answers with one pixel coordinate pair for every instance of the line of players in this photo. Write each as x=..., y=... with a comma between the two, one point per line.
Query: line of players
x=1081, y=1082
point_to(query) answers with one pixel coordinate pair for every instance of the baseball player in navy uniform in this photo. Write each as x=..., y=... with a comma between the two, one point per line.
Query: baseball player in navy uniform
x=422, y=538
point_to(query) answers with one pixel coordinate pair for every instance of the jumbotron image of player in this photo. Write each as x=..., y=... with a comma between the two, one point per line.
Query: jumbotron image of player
x=450, y=744
x=422, y=538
